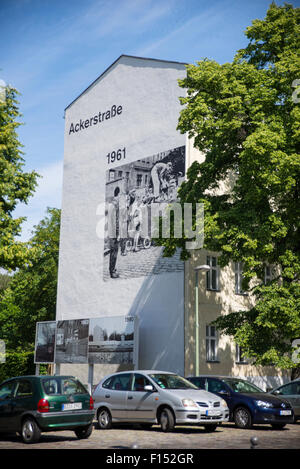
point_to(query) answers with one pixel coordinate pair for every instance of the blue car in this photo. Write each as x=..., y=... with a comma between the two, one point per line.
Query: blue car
x=247, y=403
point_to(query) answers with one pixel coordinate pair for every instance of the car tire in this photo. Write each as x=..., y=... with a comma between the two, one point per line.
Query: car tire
x=166, y=420
x=30, y=431
x=278, y=426
x=211, y=428
x=84, y=432
x=242, y=417
x=104, y=419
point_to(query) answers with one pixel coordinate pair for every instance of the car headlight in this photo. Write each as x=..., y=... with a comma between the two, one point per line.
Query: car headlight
x=189, y=403
x=264, y=404
x=223, y=403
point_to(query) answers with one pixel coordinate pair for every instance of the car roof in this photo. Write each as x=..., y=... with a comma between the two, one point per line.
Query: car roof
x=216, y=376
x=148, y=372
x=38, y=377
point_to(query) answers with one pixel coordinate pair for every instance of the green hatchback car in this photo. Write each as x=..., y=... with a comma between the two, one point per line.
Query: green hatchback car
x=31, y=405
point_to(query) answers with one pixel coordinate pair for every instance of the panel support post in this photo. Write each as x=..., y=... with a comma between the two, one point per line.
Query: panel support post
x=90, y=377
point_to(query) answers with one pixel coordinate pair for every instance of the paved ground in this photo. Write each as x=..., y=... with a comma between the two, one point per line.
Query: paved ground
x=225, y=437
x=143, y=263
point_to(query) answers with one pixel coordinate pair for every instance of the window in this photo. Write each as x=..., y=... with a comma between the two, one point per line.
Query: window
x=211, y=344
x=239, y=358
x=139, y=179
x=120, y=174
x=59, y=385
x=6, y=390
x=199, y=382
x=268, y=274
x=215, y=385
x=111, y=175
x=24, y=389
x=212, y=276
x=139, y=382
x=72, y=386
x=290, y=389
x=121, y=382
x=239, y=278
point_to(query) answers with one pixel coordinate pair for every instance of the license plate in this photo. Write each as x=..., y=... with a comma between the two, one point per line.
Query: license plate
x=285, y=412
x=72, y=406
x=213, y=413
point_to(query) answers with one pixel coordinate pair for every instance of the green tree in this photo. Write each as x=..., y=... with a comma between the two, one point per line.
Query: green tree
x=31, y=294
x=15, y=184
x=243, y=117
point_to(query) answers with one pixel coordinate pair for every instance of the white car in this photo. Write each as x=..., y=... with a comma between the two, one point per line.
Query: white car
x=156, y=397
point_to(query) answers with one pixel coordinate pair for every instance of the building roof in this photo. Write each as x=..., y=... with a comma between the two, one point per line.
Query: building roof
x=119, y=58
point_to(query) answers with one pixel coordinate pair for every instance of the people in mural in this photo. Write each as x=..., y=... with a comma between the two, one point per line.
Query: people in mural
x=160, y=175
x=114, y=227
x=131, y=192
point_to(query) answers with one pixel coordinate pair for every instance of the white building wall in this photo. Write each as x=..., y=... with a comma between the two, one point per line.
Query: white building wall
x=148, y=92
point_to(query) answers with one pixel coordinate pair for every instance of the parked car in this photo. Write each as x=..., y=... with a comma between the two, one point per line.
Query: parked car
x=291, y=393
x=30, y=405
x=151, y=397
x=247, y=403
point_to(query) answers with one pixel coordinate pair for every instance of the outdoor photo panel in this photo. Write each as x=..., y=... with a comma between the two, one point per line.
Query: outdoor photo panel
x=133, y=192
x=45, y=342
x=72, y=341
x=111, y=340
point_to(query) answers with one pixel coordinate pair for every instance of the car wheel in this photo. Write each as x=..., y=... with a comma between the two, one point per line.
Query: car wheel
x=30, y=431
x=278, y=426
x=104, y=419
x=242, y=418
x=166, y=420
x=84, y=432
x=210, y=428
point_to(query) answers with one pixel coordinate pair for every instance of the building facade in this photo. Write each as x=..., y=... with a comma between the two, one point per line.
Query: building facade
x=120, y=140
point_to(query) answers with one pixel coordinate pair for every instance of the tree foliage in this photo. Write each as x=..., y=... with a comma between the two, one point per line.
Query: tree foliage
x=31, y=294
x=15, y=184
x=243, y=117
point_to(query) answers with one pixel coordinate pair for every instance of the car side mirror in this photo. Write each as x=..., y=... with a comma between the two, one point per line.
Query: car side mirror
x=149, y=388
x=276, y=392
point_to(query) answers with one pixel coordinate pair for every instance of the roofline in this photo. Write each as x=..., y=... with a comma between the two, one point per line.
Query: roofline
x=123, y=55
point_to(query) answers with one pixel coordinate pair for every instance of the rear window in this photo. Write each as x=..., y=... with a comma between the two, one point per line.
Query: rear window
x=67, y=386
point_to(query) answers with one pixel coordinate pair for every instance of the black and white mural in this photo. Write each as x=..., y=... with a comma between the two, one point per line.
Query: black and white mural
x=45, y=342
x=134, y=193
x=111, y=340
x=72, y=341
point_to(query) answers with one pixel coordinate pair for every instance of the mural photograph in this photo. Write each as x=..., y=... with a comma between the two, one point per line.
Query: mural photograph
x=111, y=340
x=133, y=192
x=45, y=342
x=72, y=341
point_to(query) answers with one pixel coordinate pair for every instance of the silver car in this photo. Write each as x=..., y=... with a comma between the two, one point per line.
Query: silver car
x=156, y=397
x=291, y=393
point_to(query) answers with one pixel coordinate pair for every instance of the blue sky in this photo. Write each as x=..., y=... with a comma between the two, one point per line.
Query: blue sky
x=51, y=50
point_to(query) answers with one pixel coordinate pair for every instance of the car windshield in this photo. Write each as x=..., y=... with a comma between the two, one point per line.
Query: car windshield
x=238, y=385
x=166, y=381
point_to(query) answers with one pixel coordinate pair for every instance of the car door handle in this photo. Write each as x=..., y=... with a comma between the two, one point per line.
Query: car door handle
x=107, y=396
x=130, y=397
